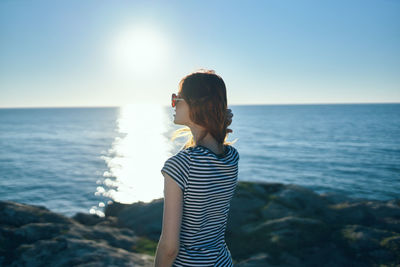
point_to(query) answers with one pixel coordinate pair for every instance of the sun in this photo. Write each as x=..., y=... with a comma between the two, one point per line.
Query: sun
x=139, y=50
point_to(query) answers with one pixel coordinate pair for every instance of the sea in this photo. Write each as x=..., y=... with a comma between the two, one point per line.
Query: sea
x=73, y=160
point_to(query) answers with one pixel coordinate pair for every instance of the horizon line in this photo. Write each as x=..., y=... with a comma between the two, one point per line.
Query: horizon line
x=263, y=104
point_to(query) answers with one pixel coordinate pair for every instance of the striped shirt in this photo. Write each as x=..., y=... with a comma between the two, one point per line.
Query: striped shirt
x=208, y=182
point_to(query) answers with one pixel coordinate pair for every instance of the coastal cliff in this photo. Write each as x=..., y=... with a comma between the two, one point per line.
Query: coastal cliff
x=270, y=224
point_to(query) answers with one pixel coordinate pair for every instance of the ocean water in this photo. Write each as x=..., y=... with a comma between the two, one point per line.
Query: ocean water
x=79, y=159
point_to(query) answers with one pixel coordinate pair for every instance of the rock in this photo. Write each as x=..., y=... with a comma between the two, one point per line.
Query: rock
x=371, y=242
x=35, y=236
x=287, y=234
x=364, y=238
x=87, y=219
x=144, y=218
x=336, y=197
x=260, y=259
x=392, y=244
x=18, y=214
x=76, y=252
x=33, y=232
x=300, y=198
x=290, y=223
x=269, y=224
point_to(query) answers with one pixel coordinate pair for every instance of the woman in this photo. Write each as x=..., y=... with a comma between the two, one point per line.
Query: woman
x=200, y=180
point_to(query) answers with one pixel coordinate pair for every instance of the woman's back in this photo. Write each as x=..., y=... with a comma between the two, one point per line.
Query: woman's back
x=208, y=182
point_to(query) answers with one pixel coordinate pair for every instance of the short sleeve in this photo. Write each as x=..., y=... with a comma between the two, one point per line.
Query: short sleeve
x=177, y=167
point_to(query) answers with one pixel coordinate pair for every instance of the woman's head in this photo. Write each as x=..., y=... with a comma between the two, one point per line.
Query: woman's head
x=204, y=104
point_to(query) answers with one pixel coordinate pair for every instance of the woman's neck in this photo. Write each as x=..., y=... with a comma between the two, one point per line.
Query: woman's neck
x=208, y=141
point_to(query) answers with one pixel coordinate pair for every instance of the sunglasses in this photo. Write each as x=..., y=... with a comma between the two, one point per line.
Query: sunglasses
x=175, y=98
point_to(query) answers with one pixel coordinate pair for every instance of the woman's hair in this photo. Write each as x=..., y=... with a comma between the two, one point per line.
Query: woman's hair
x=205, y=93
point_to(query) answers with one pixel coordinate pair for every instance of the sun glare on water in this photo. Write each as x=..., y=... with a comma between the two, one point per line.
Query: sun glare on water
x=135, y=160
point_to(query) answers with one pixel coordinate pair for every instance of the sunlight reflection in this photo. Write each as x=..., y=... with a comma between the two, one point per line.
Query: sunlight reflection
x=136, y=159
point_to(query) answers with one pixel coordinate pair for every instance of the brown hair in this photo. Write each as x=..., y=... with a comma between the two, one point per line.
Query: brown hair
x=205, y=93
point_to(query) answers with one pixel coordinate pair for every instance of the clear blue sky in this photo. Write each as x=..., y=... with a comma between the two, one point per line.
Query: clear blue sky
x=110, y=53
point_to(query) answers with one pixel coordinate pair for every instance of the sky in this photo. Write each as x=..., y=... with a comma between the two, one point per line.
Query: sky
x=114, y=53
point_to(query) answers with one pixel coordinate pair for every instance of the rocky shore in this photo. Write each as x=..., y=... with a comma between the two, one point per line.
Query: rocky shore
x=270, y=224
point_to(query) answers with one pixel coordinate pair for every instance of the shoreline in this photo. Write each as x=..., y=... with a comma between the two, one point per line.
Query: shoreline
x=281, y=224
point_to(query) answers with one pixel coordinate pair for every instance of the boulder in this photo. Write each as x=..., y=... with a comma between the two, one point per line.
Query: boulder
x=34, y=236
x=269, y=224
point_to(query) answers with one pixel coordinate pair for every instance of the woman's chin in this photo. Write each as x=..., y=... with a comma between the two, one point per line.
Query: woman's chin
x=177, y=122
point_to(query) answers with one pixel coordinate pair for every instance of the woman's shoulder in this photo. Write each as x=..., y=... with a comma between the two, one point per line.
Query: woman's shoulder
x=232, y=148
x=184, y=153
x=199, y=150
x=181, y=159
